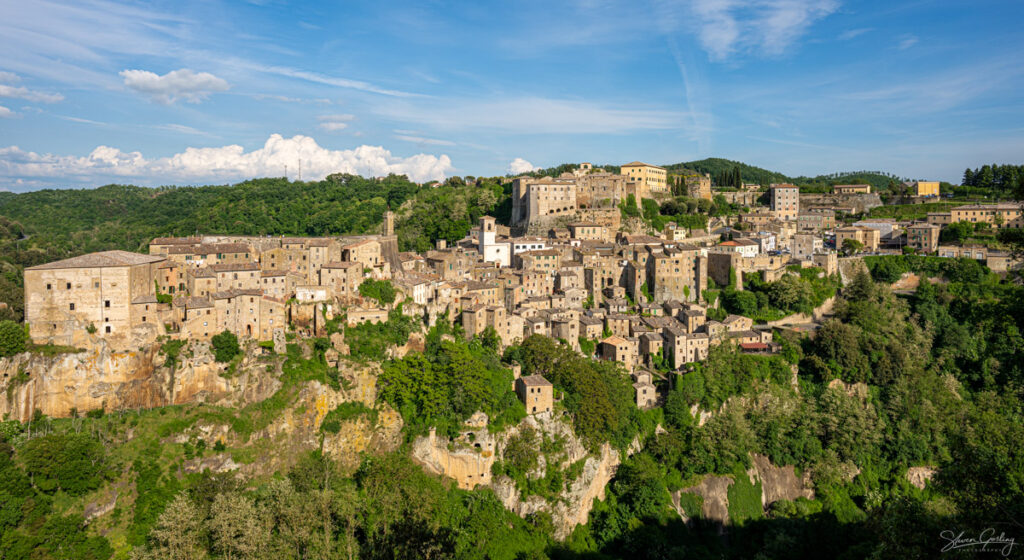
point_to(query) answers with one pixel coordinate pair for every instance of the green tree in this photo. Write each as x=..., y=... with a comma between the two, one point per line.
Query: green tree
x=381, y=290
x=12, y=338
x=852, y=246
x=74, y=463
x=225, y=346
x=956, y=232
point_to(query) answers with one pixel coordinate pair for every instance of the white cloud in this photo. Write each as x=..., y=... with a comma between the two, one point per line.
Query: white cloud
x=5, y=112
x=334, y=123
x=851, y=33
x=907, y=42
x=337, y=118
x=226, y=163
x=7, y=90
x=520, y=165
x=184, y=129
x=769, y=27
x=183, y=84
x=427, y=141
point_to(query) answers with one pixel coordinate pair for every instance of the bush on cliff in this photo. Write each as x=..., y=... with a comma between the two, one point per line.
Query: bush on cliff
x=225, y=346
x=12, y=338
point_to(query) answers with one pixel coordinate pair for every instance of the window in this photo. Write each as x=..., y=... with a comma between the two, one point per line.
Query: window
x=108, y=329
x=95, y=284
x=106, y=303
x=69, y=285
x=49, y=287
x=72, y=307
x=143, y=318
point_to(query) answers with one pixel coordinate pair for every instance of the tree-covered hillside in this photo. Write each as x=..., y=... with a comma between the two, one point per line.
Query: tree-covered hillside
x=723, y=172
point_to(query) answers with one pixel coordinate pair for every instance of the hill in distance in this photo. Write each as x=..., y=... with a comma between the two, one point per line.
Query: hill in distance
x=720, y=168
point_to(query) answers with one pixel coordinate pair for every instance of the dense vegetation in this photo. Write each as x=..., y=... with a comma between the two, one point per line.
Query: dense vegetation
x=1006, y=179
x=800, y=291
x=727, y=173
x=449, y=382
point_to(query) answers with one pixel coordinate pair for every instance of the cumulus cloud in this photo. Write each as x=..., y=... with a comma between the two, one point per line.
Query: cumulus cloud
x=334, y=123
x=520, y=165
x=226, y=163
x=769, y=27
x=5, y=112
x=7, y=90
x=183, y=84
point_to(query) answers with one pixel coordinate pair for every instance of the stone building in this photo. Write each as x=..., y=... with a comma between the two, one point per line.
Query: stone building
x=698, y=186
x=677, y=273
x=64, y=298
x=538, y=199
x=536, y=393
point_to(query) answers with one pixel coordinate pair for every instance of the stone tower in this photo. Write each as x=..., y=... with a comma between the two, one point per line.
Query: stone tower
x=389, y=223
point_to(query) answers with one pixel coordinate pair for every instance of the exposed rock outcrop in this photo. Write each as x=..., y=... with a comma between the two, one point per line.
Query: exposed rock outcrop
x=777, y=483
x=468, y=460
x=920, y=476
x=101, y=377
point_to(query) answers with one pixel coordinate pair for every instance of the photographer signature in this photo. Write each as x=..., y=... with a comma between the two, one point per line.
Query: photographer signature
x=988, y=541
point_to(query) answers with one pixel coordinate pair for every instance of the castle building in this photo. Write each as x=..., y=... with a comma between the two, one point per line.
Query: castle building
x=96, y=291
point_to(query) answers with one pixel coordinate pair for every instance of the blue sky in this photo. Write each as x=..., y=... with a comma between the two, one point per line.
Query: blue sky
x=188, y=92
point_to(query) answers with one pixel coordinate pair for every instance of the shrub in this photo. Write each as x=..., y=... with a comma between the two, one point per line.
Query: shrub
x=380, y=290
x=74, y=463
x=225, y=346
x=12, y=338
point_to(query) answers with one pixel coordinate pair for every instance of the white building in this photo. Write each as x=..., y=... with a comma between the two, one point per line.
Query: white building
x=490, y=249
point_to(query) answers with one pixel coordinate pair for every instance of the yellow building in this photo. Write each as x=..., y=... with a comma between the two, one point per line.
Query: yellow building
x=851, y=189
x=654, y=178
x=1001, y=215
x=924, y=188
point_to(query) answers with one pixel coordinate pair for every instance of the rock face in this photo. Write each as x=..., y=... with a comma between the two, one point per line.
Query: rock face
x=468, y=460
x=919, y=476
x=101, y=377
x=296, y=429
x=777, y=483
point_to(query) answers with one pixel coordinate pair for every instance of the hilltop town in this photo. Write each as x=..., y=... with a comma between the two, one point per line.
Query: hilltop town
x=571, y=357
x=573, y=264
